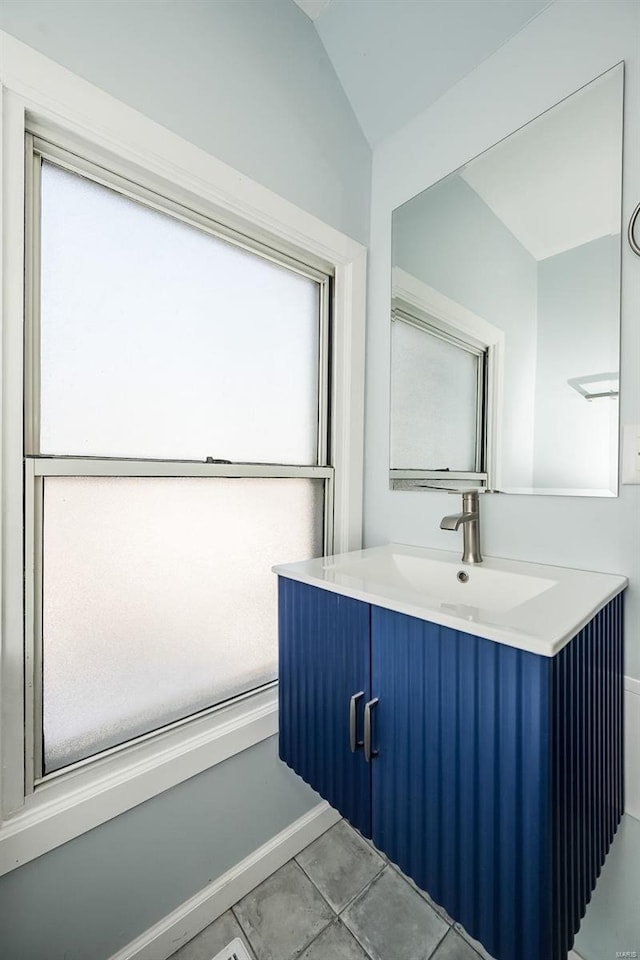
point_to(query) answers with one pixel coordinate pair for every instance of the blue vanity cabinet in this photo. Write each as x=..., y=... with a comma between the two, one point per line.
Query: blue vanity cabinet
x=461, y=782
x=324, y=660
x=497, y=780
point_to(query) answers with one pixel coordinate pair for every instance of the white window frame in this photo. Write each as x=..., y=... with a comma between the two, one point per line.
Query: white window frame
x=402, y=312
x=40, y=95
x=39, y=467
x=416, y=301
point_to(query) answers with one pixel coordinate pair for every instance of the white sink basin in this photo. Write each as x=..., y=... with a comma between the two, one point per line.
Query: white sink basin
x=491, y=589
x=526, y=605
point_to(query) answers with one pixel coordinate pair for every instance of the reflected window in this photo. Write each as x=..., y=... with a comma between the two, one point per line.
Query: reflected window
x=438, y=383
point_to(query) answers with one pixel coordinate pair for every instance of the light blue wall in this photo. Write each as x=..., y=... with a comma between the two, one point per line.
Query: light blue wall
x=450, y=239
x=93, y=895
x=614, y=905
x=249, y=82
x=403, y=39
x=578, y=335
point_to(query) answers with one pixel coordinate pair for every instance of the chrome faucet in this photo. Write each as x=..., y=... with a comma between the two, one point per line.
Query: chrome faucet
x=469, y=520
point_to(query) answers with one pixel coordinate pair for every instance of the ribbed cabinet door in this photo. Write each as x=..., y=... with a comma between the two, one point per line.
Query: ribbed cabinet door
x=324, y=660
x=588, y=794
x=460, y=788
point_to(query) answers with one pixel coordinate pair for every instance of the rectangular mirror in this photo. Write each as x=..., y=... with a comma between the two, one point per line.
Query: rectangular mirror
x=505, y=315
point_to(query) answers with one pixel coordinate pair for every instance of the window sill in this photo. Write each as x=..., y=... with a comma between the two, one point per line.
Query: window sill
x=76, y=801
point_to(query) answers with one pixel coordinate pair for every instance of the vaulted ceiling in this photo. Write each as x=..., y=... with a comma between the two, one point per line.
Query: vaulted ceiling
x=394, y=58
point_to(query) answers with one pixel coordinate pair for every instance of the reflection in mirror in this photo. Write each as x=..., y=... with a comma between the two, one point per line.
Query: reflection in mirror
x=506, y=308
x=436, y=374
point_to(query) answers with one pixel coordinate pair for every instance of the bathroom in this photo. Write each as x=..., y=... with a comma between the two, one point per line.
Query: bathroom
x=129, y=872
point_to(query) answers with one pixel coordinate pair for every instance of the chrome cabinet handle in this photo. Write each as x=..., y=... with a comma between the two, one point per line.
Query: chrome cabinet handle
x=369, y=754
x=353, y=721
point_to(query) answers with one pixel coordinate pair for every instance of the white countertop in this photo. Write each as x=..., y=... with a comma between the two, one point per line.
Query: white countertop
x=530, y=606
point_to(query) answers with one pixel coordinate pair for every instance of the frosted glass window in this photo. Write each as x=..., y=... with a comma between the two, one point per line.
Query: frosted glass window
x=159, y=598
x=161, y=341
x=434, y=402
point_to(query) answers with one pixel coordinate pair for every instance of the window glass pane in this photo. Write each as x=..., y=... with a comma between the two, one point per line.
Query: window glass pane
x=161, y=341
x=434, y=402
x=159, y=598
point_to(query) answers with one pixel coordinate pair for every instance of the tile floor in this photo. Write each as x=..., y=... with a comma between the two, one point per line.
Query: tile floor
x=339, y=899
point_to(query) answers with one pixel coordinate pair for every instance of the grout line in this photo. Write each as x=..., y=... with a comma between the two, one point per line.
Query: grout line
x=357, y=939
x=317, y=888
x=332, y=923
x=318, y=934
x=442, y=913
x=338, y=914
x=364, y=890
x=337, y=918
x=422, y=893
x=232, y=908
x=439, y=943
x=469, y=940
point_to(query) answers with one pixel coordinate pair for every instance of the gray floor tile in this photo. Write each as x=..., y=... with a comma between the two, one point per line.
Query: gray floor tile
x=334, y=943
x=371, y=844
x=454, y=947
x=391, y=920
x=283, y=915
x=341, y=864
x=423, y=893
x=479, y=949
x=436, y=906
x=212, y=939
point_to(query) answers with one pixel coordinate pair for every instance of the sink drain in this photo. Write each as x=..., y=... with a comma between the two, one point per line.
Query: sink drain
x=462, y=576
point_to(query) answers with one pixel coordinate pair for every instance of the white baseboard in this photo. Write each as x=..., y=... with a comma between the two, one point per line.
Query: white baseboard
x=177, y=928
